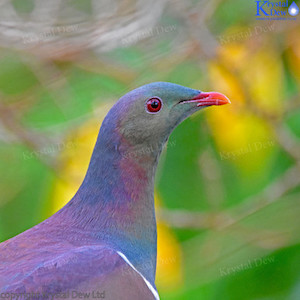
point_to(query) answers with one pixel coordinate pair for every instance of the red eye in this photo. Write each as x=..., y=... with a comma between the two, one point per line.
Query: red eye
x=153, y=105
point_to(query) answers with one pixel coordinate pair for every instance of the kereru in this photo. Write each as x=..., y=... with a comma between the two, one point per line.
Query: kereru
x=103, y=242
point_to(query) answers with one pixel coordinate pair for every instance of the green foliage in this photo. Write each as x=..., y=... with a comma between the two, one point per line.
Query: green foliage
x=15, y=76
x=24, y=189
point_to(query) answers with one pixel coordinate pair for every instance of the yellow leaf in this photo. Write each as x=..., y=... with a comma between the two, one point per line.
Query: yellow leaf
x=169, y=257
x=249, y=80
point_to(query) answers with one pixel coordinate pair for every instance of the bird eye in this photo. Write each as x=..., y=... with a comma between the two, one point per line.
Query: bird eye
x=153, y=105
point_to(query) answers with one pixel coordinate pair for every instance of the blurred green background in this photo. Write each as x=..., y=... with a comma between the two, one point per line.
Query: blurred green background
x=228, y=184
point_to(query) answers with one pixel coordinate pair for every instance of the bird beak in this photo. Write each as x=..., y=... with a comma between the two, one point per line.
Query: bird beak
x=208, y=99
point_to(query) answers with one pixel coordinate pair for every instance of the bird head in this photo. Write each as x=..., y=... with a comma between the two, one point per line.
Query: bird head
x=148, y=114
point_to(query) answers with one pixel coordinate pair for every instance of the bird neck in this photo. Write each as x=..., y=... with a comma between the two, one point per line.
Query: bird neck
x=115, y=202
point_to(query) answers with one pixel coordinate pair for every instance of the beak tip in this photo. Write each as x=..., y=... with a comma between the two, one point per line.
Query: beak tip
x=225, y=100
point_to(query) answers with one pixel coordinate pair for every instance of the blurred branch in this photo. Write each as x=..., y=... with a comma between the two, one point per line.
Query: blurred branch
x=212, y=176
x=10, y=122
x=292, y=105
x=58, y=31
x=288, y=141
x=52, y=80
x=34, y=141
x=272, y=193
x=221, y=221
x=202, y=40
x=192, y=220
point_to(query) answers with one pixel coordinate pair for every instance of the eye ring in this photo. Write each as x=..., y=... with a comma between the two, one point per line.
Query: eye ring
x=153, y=105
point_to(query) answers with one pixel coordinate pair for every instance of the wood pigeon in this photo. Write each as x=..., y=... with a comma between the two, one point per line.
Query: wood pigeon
x=102, y=244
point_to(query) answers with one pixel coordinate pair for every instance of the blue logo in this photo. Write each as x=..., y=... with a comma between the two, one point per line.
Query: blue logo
x=280, y=10
x=293, y=9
